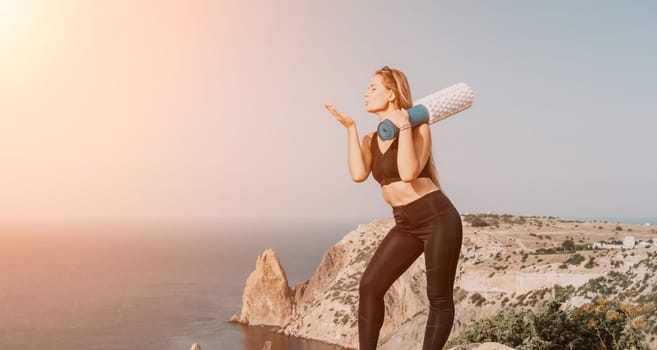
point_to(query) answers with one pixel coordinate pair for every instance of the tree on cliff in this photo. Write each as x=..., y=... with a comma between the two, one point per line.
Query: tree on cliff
x=568, y=245
x=615, y=324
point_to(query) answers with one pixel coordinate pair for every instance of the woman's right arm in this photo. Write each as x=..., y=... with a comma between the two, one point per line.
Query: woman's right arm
x=359, y=155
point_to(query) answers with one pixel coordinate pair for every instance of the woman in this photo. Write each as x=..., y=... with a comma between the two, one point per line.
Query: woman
x=425, y=219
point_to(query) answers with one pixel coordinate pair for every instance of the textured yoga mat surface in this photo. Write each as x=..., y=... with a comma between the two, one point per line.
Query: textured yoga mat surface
x=437, y=106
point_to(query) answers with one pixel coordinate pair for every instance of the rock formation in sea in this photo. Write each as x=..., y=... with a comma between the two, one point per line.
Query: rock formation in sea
x=267, y=299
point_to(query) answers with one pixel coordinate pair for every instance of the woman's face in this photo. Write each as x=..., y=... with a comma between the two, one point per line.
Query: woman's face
x=376, y=95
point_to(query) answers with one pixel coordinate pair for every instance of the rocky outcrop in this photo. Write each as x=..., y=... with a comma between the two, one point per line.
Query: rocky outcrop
x=267, y=298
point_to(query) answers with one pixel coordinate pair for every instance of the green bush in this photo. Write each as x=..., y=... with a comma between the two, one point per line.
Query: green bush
x=546, y=251
x=568, y=245
x=477, y=299
x=479, y=222
x=601, y=324
x=575, y=259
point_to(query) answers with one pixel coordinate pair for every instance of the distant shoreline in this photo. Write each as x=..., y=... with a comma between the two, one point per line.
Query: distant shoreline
x=622, y=220
x=118, y=225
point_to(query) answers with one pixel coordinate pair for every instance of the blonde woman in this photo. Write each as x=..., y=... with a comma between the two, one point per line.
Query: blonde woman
x=425, y=219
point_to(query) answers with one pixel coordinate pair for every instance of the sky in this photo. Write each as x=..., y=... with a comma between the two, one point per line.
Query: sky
x=206, y=110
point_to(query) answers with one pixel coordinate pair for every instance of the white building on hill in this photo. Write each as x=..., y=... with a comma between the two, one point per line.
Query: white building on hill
x=628, y=243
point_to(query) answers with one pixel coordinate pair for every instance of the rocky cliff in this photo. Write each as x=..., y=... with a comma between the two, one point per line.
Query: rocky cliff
x=513, y=262
x=267, y=299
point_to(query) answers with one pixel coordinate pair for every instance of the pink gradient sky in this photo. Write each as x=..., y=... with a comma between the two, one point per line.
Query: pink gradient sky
x=186, y=110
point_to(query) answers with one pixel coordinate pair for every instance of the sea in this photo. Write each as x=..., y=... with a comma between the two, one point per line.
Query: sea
x=148, y=286
x=161, y=286
x=621, y=220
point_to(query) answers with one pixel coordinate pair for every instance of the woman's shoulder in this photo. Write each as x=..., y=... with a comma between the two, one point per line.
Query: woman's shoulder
x=423, y=127
x=367, y=139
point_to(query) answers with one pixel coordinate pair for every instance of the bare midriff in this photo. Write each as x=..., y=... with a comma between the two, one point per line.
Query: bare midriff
x=401, y=193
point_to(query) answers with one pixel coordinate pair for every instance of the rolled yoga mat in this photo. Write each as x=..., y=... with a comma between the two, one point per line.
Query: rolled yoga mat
x=432, y=108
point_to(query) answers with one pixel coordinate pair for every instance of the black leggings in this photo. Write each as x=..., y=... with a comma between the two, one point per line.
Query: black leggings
x=430, y=225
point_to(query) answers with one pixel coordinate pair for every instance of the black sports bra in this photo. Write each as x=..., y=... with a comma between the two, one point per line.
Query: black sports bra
x=384, y=166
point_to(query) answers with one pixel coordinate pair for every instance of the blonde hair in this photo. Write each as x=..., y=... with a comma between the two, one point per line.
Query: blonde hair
x=395, y=80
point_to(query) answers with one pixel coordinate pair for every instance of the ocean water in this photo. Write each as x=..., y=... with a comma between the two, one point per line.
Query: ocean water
x=622, y=220
x=65, y=286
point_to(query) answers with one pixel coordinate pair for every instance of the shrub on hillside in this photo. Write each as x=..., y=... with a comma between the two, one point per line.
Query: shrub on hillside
x=615, y=324
x=575, y=259
x=601, y=324
x=568, y=245
x=479, y=222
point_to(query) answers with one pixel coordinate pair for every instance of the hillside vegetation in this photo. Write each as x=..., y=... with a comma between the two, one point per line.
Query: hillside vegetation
x=544, y=283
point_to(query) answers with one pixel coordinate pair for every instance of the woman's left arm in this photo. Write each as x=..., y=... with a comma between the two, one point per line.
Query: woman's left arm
x=413, y=151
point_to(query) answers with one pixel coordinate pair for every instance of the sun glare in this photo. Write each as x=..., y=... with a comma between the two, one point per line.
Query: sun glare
x=11, y=15
x=7, y=9
x=10, y=11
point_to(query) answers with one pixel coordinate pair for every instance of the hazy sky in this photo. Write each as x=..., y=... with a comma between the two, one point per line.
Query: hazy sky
x=213, y=109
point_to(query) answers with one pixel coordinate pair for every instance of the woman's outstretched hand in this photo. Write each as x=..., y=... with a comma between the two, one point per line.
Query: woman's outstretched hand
x=342, y=118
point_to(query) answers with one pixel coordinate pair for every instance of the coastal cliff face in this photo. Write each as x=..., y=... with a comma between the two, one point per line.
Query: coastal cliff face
x=327, y=309
x=499, y=268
